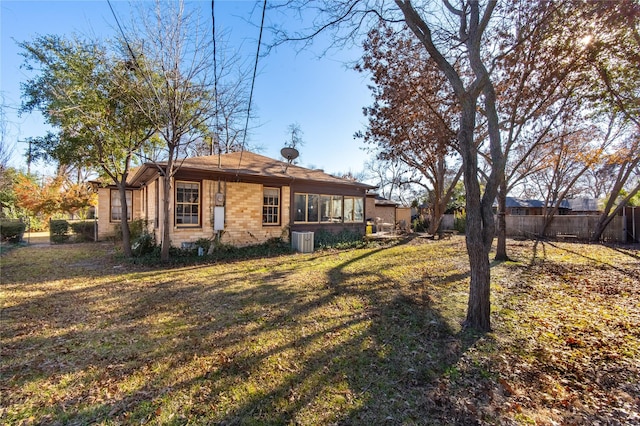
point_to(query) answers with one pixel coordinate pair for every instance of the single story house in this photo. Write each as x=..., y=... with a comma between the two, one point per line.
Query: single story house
x=521, y=207
x=248, y=197
x=583, y=206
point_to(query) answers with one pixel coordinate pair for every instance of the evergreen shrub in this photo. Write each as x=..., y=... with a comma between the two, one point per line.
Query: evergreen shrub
x=59, y=231
x=11, y=230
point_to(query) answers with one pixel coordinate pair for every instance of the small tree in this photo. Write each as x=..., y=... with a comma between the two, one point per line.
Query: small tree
x=412, y=117
x=178, y=70
x=623, y=164
x=84, y=91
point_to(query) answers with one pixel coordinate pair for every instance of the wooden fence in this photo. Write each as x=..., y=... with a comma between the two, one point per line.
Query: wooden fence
x=582, y=226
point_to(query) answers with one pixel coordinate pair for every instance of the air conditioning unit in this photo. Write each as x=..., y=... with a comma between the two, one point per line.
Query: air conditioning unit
x=302, y=241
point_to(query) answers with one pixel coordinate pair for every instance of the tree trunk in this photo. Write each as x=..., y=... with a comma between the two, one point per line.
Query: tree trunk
x=437, y=212
x=607, y=215
x=479, y=305
x=124, y=223
x=501, y=248
x=165, y=245
x=480, y=223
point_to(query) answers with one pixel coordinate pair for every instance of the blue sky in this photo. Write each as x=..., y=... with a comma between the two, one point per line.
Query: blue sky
x=323, y=95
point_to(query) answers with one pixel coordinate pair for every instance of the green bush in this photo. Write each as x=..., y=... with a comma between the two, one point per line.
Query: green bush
x=220, y=252
x=59, y=231
x=137, y=228
x=420, y=225
x=84, y=231
x=11, y=230
x=341, y=240
x=460, y=223
x=143, y=245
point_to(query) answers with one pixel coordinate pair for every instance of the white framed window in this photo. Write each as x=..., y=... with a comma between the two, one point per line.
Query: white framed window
x=271, y=206
x=187, y=208
x=116, y=205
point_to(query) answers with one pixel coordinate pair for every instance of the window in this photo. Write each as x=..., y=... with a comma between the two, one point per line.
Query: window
x=116, y=205
x=327, y=208
x=300, y=208
x=305, y=207
x=331, y=208
x=271, y=206
x=353, y=209
x=312, y=207
x=187, y=203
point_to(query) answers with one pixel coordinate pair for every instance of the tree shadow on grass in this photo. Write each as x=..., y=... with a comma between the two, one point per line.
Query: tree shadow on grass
x=632, y=272
x=339, y=343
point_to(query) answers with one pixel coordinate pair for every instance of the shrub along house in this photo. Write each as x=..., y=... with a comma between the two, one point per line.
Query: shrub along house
x=249, y=198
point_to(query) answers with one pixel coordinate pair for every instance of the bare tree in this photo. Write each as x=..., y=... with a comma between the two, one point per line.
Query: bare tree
x=393, y=178
x=454, y=38
x=178, y=66
x=571, y=150
x=6, y=147
x=229, y=131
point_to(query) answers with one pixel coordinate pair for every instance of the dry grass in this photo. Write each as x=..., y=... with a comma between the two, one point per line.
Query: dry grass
x=368, y=336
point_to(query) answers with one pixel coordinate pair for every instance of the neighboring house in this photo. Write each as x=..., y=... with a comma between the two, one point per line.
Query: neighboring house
x=383, y=211
x=249, y=197
x=520, y=207
x=583, y=206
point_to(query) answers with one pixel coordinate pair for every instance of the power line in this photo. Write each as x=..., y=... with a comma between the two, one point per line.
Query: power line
x=253, y=81
x=215, y=75
x=122, y=32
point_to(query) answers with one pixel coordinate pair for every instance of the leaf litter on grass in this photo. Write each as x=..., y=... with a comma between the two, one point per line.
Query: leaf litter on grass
x=366, y=336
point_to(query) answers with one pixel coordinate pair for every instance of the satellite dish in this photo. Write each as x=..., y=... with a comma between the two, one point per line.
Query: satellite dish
x=289, y=153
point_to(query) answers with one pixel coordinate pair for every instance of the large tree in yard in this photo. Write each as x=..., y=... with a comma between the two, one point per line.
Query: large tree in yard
x=454, y=37
x=178, y=67
x=539, y=84
x=614, y=59
x=84, y=91
x=413, y=115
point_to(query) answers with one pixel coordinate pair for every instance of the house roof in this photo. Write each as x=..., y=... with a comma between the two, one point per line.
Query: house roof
x=381, y=201
x=583, y=204
x=519, y=202
x=247, y=164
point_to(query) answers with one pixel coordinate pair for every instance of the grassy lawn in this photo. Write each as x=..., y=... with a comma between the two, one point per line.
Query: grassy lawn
x=369, y=336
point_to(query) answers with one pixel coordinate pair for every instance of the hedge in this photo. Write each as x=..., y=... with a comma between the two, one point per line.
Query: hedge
x=11, y=230
x=59, y=231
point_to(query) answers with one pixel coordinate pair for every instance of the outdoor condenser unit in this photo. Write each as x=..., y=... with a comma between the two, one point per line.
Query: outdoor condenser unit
x=302, y=241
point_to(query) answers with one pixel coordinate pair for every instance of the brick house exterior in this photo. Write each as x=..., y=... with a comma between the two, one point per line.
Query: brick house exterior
x=255, y=197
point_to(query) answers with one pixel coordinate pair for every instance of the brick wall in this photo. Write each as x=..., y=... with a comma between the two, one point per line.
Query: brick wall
x=386, y=213
x=370, y=208
x=243, y=215
x=178, y=234
x=106, y=228
x=242, y=222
